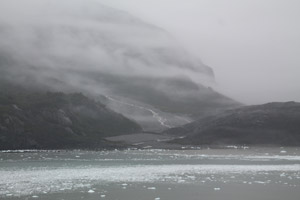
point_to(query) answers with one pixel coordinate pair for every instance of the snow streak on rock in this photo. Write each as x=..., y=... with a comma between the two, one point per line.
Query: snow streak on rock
x=161, y=120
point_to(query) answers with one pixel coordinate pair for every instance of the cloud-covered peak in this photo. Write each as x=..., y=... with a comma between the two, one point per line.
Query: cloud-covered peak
x=87, y=35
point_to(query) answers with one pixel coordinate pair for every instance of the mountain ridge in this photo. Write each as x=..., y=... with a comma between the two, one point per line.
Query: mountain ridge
x=274, y=123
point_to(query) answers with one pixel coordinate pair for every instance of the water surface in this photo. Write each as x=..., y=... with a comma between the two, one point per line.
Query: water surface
x=235, y=174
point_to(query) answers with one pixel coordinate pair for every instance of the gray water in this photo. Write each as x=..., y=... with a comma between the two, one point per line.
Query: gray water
x=233, y=174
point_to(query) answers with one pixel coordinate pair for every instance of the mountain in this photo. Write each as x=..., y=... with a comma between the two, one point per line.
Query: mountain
x=272, y=123
x=47, y=120
x=84, y=46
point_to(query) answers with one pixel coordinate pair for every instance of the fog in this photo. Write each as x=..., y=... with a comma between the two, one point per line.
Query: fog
x=86, y=36
x=252, y=45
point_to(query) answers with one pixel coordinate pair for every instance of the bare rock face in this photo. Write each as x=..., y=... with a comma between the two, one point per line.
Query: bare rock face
x=272, y=123
x=57, y=116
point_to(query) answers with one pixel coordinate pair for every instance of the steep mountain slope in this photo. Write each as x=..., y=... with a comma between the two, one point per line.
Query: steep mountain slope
x=272, y=123
x=56, y=120
x=88, y=47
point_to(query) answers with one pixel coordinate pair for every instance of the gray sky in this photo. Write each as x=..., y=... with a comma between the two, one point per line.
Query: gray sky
x=252, y=45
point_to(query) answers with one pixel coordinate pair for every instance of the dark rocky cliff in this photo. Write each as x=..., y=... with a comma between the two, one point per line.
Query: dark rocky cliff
x=57, y=120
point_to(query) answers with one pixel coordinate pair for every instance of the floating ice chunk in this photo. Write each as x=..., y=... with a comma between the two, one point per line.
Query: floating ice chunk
x=91, y=191
x=35, y=196
x=124, y=184
x=283, y=151
x=8, y=195
x=192, y=177
x=259, y=182
x=151, y=188
x=217, y=189
x=232, y=146
x=158, y=198
x=102, y=195
x=77, y=156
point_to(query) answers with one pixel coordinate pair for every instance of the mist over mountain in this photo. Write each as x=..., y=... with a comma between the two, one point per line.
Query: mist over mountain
x=83, y=46
x=91, y=37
